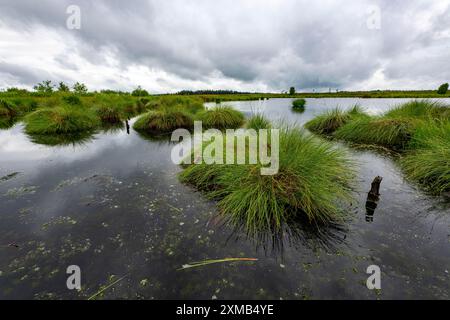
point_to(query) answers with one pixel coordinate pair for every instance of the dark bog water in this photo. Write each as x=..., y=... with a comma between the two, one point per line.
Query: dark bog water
x=113, y=206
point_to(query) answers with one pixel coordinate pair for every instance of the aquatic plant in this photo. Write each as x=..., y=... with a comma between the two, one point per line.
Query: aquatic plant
x=391, y=133
x=191, y=105
x=221, y=117
x=163, y=122
x=313, y=181
x=257, y=122
x=60, y=120
x=328, y=122
x=299, y=104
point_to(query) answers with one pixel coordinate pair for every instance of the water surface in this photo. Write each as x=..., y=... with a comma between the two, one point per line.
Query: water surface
x=113, y=205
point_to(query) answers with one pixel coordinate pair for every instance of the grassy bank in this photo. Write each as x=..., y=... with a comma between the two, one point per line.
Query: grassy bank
x=418, y=130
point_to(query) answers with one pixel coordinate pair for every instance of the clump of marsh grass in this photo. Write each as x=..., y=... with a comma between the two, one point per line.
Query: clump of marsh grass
x=257, y=122
x=190, y=105
x=7, y=109
x=108, y=114
x=222, y=118
x=163, y=122
x=420, y=109
x=428, y=161
x=390, y=133
x=60, y=120
x=299, y=104
x=313, y=182
x=330, y=121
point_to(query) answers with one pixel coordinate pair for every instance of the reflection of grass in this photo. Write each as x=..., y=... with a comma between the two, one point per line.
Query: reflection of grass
x=313, y=179
x=221, y=117
x=73, y=139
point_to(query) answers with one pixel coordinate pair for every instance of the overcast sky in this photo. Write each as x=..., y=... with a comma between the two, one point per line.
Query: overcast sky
x=246, y=45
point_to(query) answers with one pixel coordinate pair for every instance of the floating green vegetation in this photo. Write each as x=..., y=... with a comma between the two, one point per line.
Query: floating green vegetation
x=299, y=105
x=163, y=122
x=313, y=182
x=209, y=262
x=257, y=122
x=222, y=118
x=60, y=120
x=329, y=122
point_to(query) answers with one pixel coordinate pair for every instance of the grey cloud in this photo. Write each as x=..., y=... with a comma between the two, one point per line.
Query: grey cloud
x=278, y=43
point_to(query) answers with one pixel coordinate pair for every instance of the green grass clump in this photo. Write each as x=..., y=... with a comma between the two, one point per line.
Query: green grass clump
x=258, y=122
x=60, y=120
x=299, y=104
x=191, y=105
x=390, y=133
x=330, y=121
x=420, y=109
x=163, y=122
x=428, y=159
x=313, y=182
x=221, y=117
x=108, y=114
x=7, y=109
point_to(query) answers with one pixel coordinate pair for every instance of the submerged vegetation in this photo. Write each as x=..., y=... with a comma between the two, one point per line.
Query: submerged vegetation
x=313, y=181
x=419, y=130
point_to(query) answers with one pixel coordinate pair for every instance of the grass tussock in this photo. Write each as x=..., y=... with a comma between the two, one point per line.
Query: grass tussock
x=60, y=120
x=313, y=181
x=190, y=105
x=299, y=104
x=257, y=122
x=222, y=118
x=163, y=122
x=109, y=114
x=7, y=109
x=329, y=122
x=390, y=133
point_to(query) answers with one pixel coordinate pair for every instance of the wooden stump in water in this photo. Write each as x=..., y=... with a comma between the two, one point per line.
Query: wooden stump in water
x=372, y=198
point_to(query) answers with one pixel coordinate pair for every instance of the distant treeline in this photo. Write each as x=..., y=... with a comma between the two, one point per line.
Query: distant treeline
x=202, y=92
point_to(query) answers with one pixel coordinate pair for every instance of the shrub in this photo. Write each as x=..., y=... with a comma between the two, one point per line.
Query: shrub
x=163, y=122
x=139, y=92
x=221, y=117
x=72, y=100
x=60, y=120
x=313, y=181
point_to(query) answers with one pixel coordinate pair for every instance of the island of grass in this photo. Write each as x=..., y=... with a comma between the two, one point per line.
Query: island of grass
x=312, y=184
x=299, y=105
x=221, y=118
x=60, y=120
x=418, y=130
x=163, y=122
